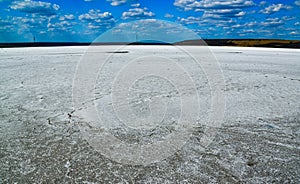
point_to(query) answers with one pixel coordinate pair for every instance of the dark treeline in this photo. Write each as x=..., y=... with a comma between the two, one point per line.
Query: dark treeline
x=209, y=42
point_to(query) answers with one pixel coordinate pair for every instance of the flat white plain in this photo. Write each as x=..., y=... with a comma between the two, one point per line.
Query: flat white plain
x=258, y=141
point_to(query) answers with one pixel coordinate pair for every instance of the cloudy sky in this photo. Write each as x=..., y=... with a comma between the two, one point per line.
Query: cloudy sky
x=85, y=20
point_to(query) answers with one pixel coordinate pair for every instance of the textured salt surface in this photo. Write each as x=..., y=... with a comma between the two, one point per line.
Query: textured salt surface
x=259, y=141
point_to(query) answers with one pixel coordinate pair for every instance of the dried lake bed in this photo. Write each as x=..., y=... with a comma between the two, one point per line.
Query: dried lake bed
x=41, y=139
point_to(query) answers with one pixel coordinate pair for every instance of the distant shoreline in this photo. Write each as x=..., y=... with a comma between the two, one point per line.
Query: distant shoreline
x=271, y=43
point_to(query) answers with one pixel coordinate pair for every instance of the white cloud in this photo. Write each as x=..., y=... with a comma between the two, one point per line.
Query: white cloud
x=294, y=33
x=167, y=15
x=297, y=3
x=97, y=20
x=65, y=26
x=70, y=17
x=37, y=7
x=212, y=4
x=6, y=25
x=240, y=14
x=92, y=26
x=152, y=29
x=136, y=5
x=248, y=31
x=275, y=8
x=224, y=14
x=273, y=22
x=95, y=15
x=137, y=13
x=25, y=25
x=246, y=25
x=113, y=2
x=216, y=9
x=59, y=24
x=4, y=22
x=67, y=17
x=33, y=22
x=189, y=20
x=288, y=18
x=262, y=3
x=117, y=2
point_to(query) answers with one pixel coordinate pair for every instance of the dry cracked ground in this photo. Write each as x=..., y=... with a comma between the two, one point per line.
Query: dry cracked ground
x=258, y=142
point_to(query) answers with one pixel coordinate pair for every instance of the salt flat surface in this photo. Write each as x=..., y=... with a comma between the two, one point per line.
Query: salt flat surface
x=258, y=142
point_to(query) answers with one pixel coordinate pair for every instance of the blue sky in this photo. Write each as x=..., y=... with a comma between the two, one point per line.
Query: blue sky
x=85, y=20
